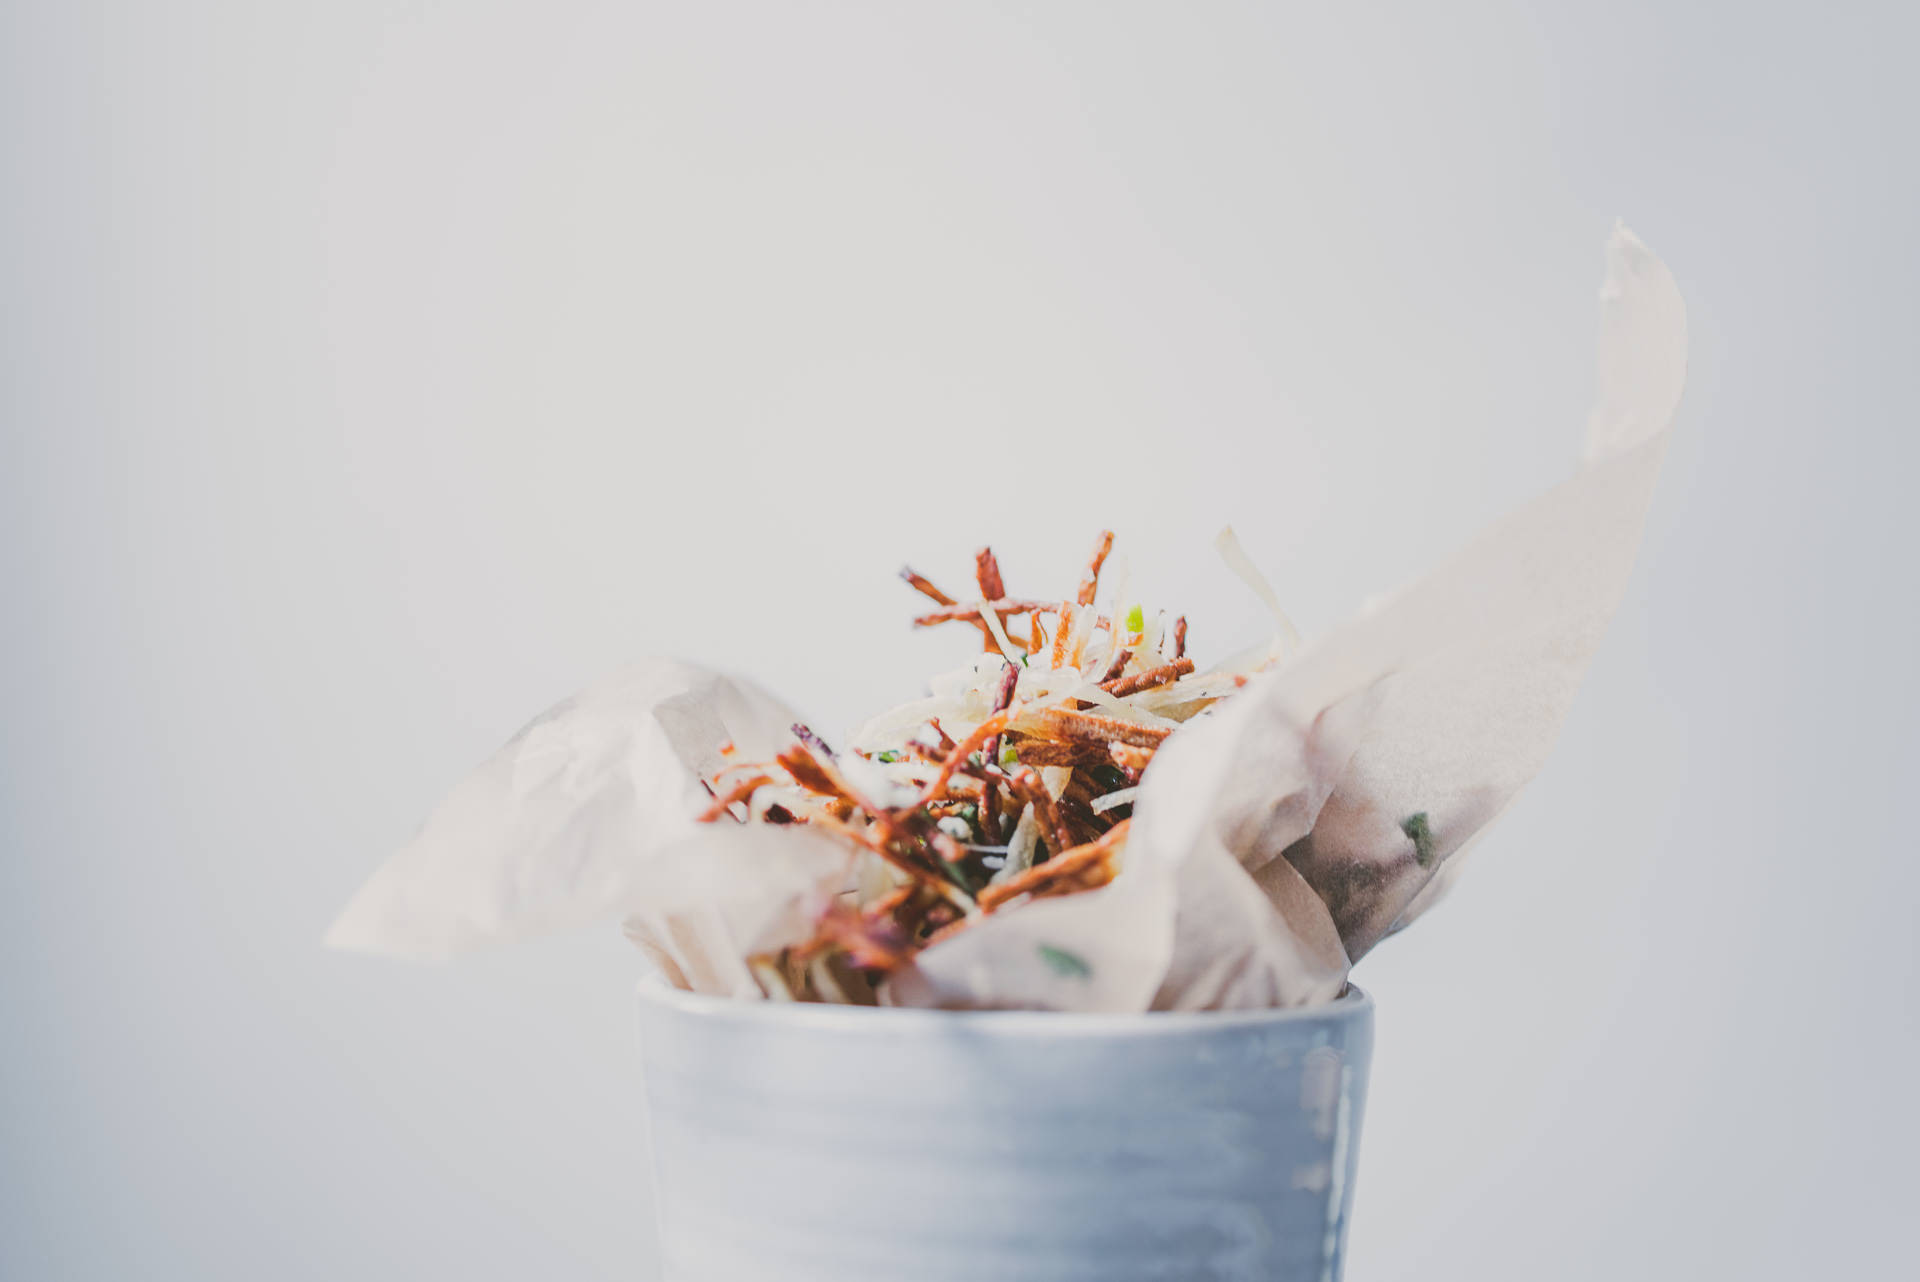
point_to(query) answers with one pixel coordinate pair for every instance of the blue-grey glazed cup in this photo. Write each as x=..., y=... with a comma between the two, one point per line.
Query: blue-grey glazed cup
x=811, y=1143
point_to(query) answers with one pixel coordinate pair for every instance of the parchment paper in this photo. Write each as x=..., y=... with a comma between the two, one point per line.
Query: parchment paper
x=1276, y=839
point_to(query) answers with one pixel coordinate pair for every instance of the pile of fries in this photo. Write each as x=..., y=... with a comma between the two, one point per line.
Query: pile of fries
x=1013, y=783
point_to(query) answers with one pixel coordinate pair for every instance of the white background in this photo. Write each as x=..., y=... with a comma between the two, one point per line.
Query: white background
x=374, y=375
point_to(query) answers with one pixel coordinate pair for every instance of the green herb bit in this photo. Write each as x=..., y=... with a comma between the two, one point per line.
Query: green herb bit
x=1416, y=827
x=1009, y=755
x=889, y=757
x=969, y=812
x=1136, y=618
x=1065, y=964
x=956, y=872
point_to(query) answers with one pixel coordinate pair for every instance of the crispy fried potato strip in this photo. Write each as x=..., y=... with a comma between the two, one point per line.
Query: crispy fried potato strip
x=1166, y=673
x=1062, y=867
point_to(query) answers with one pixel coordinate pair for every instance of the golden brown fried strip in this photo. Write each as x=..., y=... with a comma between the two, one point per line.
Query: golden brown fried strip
x=1036, y=639
x=1050, y=752
x=986, y=730
x=965, y=785
x=1090, y=878
x=1090, y=582
x=878, y=837
x=1118, y=664
x=739, y=792
x=1062, y=867
x=1079, y=787
x=970, y=611
x=1081, y=827
x=1129, y=756
x=870, y=942
x=1062, y=632
x=1180, y=637
x=1080, y=794
x=988, y=812
x=1027, y=783
x=1069, y=723
x=986, y=569
x=884, y=825
x=1139, y=681
x=810, y=773
x=920, y=584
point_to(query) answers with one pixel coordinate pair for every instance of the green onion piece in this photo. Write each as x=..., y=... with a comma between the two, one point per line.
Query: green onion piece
x=1009, y=755
x=1416, y=827
x=958, y=876
x=1136, y=619
x=888, y=757
x=1065, y=964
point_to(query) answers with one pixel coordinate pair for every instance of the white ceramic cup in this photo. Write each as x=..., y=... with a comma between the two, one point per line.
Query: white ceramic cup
x=811, y=1143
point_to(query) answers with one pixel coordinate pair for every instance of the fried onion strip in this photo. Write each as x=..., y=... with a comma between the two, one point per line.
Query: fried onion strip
x=986, y=730
x=970, y=611
x=1052, y=752
x=1063, y=866
x=920, y=584
x=741, y=791
x=1124, y=686
x=1028, y=784
x=986, y=569
x=1090, y=582
x=1069, y=723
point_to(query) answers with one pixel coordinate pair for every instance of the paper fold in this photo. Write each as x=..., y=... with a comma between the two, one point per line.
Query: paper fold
x=554, y=830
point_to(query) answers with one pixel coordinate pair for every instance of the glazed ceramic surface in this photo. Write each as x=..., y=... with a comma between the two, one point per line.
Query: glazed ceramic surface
x=813, y=1143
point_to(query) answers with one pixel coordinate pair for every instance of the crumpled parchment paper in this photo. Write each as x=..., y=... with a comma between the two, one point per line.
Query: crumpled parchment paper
x=1275, y=840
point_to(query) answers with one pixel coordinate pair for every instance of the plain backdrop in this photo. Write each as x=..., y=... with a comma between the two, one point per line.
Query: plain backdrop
x=375, y=375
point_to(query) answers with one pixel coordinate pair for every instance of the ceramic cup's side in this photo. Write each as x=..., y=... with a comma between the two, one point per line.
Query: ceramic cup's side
x=823, y=1145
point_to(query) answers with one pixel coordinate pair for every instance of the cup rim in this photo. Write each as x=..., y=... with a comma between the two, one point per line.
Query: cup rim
x=1354, y=1003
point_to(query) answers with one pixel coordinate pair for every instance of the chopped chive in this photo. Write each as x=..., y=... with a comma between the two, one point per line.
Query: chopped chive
x=968, y=812
x=1009, y=755
x=1416, y=827
x=888, y=757
x=1136, y=619
x=1065, y=964
x=958, y=876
